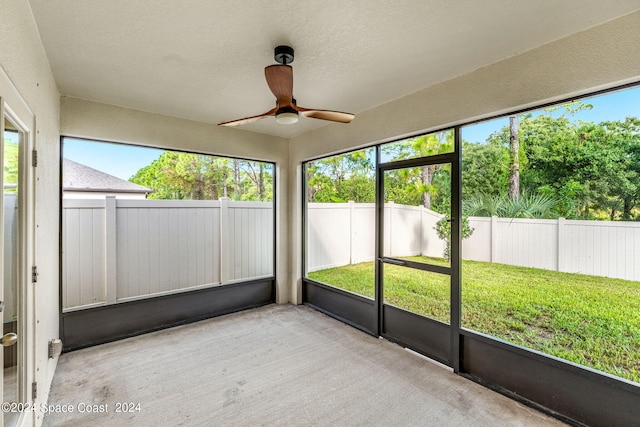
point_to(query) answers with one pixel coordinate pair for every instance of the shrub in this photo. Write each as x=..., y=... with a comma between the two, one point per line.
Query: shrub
x=443, y=228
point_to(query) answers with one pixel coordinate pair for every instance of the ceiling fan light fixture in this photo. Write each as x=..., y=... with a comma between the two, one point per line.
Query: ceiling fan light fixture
x=280, y=81
x=287, y=116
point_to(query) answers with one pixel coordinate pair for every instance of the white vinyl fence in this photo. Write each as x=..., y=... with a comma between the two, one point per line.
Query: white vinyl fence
x=344, y=233
x=598, y=248
x=117, y=250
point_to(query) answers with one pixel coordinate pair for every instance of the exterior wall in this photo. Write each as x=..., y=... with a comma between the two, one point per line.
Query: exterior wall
x=25, y=62
x=85, y=119
x=601, y=57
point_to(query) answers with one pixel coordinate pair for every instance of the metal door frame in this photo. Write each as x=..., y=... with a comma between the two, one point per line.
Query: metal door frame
x=424, y=329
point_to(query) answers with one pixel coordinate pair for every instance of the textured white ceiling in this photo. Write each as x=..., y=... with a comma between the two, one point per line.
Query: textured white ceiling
x=204, y=59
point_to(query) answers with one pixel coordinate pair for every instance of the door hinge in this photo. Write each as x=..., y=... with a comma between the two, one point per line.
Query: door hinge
x=34, y=390
x=34, y=274
x=34, y=158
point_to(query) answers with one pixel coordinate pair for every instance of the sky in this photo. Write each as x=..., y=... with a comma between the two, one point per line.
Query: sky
x=119, y=160
x=609, y=107
x=124, y=161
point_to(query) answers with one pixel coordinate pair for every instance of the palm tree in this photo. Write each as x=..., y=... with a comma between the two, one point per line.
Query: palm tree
x=527, y=205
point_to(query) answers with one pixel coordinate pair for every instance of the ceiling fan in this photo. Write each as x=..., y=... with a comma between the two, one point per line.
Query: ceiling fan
x=280, y=81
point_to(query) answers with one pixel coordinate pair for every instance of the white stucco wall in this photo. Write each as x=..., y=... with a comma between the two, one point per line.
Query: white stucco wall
x=23, y=59
x=601, y=57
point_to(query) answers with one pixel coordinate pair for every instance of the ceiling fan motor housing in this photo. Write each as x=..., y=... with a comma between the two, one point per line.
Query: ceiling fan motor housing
x=283, y=55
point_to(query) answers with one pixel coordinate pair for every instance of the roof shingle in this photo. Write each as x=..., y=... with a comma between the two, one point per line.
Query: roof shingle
x=78, y=177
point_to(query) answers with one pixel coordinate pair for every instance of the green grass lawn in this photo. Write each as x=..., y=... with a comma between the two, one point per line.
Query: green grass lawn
x=590, y=320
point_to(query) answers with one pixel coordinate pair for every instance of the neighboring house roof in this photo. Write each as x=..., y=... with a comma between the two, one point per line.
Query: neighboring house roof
x=78, y=177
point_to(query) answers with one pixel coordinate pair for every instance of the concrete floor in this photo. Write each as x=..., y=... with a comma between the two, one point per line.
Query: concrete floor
x=277, y=365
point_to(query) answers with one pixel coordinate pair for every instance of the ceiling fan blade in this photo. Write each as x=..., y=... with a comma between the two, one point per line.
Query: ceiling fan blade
x=333, y=116
x=251, y=119
x=280, y=81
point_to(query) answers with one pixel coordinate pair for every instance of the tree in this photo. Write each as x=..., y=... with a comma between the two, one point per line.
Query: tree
x=10, y=167
x=236, y=176
x=429, y=145
x=177, y=175
x=432, y=181
x=255, y=172
x=484, y=169
x=555, y=165
x=443, y=228
x=526, y=205
x=590, y=170
x=404, y=186
x=622, y=141
x=596, y=165
x=342, y=178
x=558, y=166
x=514, y=151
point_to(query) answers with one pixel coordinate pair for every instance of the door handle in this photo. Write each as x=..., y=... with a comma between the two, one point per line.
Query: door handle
x=1, y=306
x=9, y=339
